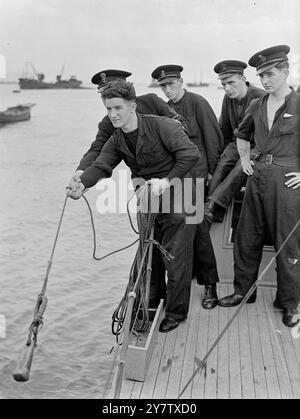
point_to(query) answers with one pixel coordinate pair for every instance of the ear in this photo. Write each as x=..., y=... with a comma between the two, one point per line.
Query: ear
x=133, y=105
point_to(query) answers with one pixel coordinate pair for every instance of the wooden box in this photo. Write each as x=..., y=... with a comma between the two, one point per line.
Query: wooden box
x=139, y=352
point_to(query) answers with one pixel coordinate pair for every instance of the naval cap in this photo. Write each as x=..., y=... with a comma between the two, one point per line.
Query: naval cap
x=167, y=72
x=103, y=77
x=228, y=67
x=268, y=58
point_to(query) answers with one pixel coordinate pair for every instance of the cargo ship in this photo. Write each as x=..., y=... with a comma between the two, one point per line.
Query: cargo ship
x=37, y=81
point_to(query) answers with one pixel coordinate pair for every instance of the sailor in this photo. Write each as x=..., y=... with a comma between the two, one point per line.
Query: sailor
x=157, y=150
x=205, y=133
x=146, y=104
x=272, y=197
x=229, y=178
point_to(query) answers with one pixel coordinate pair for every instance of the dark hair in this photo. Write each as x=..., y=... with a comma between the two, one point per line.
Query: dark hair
x=119, y=88
x=282, y=65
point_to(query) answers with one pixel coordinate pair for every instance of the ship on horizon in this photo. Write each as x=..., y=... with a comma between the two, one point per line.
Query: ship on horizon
x=37, y=81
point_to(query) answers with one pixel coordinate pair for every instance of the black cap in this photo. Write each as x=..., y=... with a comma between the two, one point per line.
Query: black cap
x=228, y=67
x=168, y=71
x=266, y=59
x=103, y=77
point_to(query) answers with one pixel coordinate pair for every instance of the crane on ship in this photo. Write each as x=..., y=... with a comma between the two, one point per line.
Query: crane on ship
x=59, y=76
x=40, y=76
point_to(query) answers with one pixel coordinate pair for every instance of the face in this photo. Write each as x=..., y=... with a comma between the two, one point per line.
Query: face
x=274, y=79
x=234, y=86
x=119, y=111
x=172, y=89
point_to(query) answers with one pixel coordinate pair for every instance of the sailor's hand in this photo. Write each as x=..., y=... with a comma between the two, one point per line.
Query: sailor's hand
x=76, y=191
x=75, y=179
x=158, y=186
x=293, y=182
x=247, y=165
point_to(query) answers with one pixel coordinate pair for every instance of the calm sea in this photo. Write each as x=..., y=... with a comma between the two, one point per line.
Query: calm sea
x=72, y=359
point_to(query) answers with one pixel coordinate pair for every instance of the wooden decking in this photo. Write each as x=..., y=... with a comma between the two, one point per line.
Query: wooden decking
x=257, y=358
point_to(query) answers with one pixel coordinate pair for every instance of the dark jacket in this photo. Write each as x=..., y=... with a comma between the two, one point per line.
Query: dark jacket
x=204, y=130
x=146, y=104
x=163, y=150
x=233, y=112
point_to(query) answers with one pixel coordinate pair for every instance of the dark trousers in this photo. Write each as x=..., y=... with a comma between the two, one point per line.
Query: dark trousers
x=177, y=238
x=204, y=262
x=228, y=178
x=269, y=206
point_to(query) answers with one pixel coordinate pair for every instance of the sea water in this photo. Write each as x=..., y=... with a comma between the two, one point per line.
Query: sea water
x=37, y=158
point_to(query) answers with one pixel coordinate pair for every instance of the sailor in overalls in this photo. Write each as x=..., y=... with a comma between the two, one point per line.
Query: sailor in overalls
x=272, y=198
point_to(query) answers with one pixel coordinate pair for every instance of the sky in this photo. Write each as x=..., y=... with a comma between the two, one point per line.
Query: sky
x=88, y=36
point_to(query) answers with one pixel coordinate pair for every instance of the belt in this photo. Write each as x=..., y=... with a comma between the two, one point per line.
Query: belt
x=279, y=161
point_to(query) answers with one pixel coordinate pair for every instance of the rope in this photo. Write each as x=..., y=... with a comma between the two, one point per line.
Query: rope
x=139, y=277
x=203, y=362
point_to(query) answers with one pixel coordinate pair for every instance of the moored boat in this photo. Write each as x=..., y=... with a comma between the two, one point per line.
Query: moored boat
x=16, y=113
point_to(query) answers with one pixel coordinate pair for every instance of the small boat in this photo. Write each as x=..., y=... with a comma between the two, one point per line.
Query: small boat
x=199, y=84
x=16, y=113
x=16, y=91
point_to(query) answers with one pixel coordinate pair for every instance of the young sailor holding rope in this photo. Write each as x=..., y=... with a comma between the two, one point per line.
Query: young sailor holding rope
x=272, y=198
x=157, y=150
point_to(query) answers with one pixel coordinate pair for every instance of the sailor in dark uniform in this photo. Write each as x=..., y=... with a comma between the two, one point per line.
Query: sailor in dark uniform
x=205, y=133
x=146, y=104
x=272, y=198
x=158, y=150
x=229, y=177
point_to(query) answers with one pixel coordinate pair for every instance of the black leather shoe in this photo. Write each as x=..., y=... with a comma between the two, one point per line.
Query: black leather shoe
x=210, y=299
x=235, y=299
x=209, y=211
x=168, y=324
x=287, y=319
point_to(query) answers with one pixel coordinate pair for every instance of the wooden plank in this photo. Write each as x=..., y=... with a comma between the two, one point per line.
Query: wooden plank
x=165, y=366
x=245, y=353
x=285, y=357
x=198, y=385
x=260, y=384
x=210, y=390
x=178, y=357
x=136, y=390
x=223, y=352
x=267, y=352
x=189, y=357
x=235, y=380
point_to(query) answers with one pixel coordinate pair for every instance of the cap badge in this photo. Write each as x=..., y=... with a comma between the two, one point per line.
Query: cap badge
x=162, y=74
x=262, y=58
x=103, y=77
x=224, y=68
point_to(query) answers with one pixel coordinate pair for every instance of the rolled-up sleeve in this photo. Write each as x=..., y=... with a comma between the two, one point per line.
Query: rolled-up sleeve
x=246, y=128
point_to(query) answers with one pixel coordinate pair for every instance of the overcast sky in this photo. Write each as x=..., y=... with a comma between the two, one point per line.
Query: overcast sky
x=138, y=35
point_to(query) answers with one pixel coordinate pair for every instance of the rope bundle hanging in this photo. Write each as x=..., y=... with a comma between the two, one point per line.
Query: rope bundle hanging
x=139, y=277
